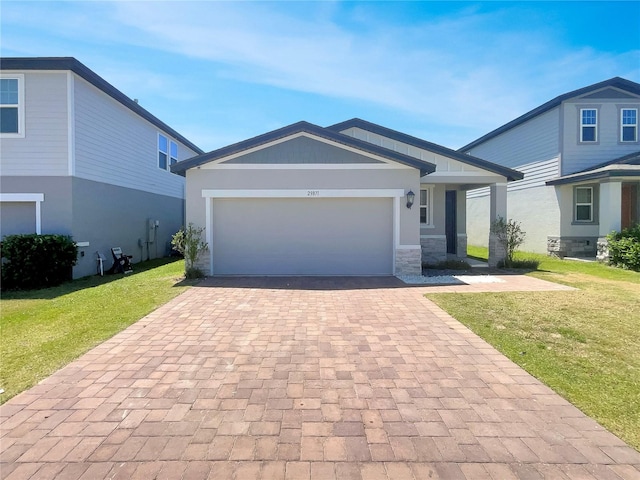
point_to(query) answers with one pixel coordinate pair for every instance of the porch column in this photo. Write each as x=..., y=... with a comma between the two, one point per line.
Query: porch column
x=498, y=208
x=609, y=215
x=610, y=211
x=461, y=227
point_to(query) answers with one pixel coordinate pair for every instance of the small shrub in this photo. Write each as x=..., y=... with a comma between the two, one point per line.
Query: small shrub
x=624, y=248
x=190, y=244
x=193, y=273
x=525, y=264
x=510, y=235
x=37, y=261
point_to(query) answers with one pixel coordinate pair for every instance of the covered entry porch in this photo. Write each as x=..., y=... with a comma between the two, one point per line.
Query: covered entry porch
x=443, y=215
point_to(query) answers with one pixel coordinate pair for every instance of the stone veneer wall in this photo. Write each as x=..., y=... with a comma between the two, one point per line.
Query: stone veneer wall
x=434, y=249
x=203, y=261
x=602, y=249
x=573, y=246
x=408, y=261
x=497, y=252
x=461, y=247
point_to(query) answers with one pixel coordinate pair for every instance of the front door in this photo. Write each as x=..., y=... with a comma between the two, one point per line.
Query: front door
x=450, y=221
x=629, y=204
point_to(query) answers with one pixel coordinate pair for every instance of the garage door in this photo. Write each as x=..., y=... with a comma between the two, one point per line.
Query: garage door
x=302, y=236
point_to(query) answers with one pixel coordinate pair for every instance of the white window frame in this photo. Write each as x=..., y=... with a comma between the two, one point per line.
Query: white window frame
x=173, y=159
x=623, y=125
x=582, y=204
x=428, y=207
x=588, y=125
x=19, y=106
x=171, y=148
x=159, y=151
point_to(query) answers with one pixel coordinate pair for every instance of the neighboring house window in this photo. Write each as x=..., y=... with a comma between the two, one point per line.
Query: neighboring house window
x=426, y=211
x=584, y=204
x=588, y=125
x=174, y=153
x=629, y=125
x=167, y=152
x=11, y=106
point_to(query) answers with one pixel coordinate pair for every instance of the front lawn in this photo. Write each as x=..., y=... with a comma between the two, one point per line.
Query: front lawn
x=584, y=344
x=43, y=330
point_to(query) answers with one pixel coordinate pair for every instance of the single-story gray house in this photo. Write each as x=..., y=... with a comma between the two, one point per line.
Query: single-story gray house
x=350, y=199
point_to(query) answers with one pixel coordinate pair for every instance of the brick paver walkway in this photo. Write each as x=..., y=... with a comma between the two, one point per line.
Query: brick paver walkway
x=301, y=379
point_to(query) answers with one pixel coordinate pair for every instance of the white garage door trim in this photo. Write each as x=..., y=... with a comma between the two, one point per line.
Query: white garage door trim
x=395, y=193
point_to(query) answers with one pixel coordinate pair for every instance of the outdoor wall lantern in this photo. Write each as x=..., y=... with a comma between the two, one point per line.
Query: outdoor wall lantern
x=410, y=198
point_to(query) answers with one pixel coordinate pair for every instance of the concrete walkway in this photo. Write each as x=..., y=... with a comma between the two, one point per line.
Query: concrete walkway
x=303, y=379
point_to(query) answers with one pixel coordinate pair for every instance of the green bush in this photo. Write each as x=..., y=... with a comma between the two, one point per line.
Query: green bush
x=448, y=265
x=190, y=244
x=37, y=261
x=510, y=235
x=624, y=248
x=524, y=263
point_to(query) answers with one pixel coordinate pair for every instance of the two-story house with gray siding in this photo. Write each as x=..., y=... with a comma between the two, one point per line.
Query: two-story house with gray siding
x=580, y=154
x=78, y=157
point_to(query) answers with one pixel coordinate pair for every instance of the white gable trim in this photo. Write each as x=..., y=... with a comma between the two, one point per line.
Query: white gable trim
x=219, y=163
x=305, y=166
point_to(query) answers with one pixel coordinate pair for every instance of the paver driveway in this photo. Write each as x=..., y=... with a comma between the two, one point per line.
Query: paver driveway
x=299, y=379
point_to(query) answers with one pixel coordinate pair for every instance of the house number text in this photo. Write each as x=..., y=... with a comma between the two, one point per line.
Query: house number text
x=313, y=193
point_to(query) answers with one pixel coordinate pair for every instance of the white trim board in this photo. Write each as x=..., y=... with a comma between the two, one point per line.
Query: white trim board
x=307, y=193
x=304, y=166
x=38, y=198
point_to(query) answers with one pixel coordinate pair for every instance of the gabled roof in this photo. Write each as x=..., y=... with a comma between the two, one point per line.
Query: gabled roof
x=511, y=175
x=70, y=63
x=303, y=127
x=617, y=82
x=626, y=166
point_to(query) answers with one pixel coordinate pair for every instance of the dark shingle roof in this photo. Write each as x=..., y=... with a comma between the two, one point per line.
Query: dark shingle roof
x=306, y=127
x=432, y=147
x=70, y=63
x=616, y=82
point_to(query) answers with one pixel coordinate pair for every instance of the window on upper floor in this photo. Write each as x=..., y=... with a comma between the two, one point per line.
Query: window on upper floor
x=12, y=106
x=167, y=152
x=629, y=125
x=583, y=204
x=588, y=125
x=426, y=209
x=173, y=153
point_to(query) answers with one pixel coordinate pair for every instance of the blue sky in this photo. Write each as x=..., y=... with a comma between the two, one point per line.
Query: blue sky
x=221, y=72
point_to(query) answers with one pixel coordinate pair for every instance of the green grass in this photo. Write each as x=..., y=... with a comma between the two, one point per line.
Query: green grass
x=583, y=344
x=43, y=330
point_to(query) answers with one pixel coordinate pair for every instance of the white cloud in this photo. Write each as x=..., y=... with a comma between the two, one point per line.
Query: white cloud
x=439, y=70
x=466, y=69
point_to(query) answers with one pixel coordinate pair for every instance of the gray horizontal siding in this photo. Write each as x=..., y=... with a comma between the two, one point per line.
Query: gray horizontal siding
x=527, y=143
x=43, y=150
x=535, y=175
x=576, y=156
x=116, y=146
